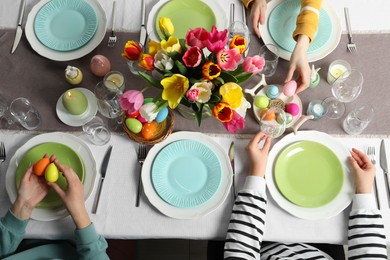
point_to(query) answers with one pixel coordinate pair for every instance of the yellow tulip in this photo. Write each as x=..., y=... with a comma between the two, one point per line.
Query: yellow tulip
x=153, y=47
x=166, y=27
x=171, y=45
x=174, y=89
x=232, y=94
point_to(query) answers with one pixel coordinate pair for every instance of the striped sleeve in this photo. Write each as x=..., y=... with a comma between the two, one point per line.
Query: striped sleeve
x=366, y=234
x=246, y=226
x=307, y=20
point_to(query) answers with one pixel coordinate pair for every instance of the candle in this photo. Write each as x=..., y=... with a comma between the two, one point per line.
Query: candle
x=115, y=80
x=338, y=69
x=75, y=102
x=317, y=108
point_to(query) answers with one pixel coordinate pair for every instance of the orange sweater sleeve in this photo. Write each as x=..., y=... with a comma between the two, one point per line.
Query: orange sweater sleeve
x=307, y=20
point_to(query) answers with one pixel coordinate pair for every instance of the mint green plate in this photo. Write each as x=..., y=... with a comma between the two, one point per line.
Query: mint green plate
x=186, y=173
x=185, y=15
x=308, y=174
x=65, y=25
x=65, y=155
x=282, y=23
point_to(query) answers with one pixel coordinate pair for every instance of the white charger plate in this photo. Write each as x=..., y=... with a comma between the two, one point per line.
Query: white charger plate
x=312, y=56
x=73, y=142
x=66, y=55
x=329, y=210
x=220, y=15
x=193, y=212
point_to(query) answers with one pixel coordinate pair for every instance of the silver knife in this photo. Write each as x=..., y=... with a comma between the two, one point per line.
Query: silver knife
x=143, y=34
x=383, y=163
x=19, y=30
x=103, y=171
x=231, y=158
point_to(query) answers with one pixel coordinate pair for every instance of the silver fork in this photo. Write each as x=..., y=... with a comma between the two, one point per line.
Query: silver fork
x=112, y=39
x=351, y=45
x=141, y=159
x=2, y=153
x=371, y=156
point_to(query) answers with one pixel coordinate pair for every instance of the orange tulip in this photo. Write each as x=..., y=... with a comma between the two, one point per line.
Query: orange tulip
x=210, y=70
x=223, y=112
x=132, y=50
x=146, y=61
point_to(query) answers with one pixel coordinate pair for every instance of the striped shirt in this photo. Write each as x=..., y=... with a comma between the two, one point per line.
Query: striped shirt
x=366, y=234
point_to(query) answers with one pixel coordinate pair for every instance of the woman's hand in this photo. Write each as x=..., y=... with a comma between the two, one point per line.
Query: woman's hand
x=258, y=156
x=257, y=15
x=364, y=171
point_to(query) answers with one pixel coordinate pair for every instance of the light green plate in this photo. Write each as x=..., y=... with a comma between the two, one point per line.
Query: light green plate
x=65, y=155
x=65, y=25
x=308, y=174
x=185, y=15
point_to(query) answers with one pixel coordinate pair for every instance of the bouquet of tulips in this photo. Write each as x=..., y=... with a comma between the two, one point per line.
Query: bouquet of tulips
x=204, y=69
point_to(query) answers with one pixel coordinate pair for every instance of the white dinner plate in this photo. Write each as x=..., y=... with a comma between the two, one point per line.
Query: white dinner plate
x=334, y=207
x=78, y=120
x=192, y=212
x=73, y=142
x=220, y=15
x=319, y=53
x=49, y=53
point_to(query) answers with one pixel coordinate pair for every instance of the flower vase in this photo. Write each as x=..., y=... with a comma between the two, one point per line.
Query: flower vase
x=134, y=68
x=189, y=113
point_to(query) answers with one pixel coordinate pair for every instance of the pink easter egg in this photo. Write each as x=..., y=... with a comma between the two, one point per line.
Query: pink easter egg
x=141, y=119
x=289, y=88
x=100, y=65
x=293, y=109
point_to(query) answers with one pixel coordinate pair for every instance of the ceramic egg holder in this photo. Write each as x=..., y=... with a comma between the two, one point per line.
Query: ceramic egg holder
x=297, y=120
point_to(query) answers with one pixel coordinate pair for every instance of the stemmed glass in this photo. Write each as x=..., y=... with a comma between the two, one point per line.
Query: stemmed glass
x=273, y=121
x=270, y=53
x=241, y=29
x=345, y=89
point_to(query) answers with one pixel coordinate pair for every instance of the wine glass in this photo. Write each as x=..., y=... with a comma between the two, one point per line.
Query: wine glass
x=273, y=121
x=270, y=53
x=345, y=89
x=241, y=29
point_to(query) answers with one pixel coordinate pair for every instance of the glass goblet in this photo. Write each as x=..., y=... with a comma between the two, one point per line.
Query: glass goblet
x=241, y=29
x=270, y=53
x=273, y=121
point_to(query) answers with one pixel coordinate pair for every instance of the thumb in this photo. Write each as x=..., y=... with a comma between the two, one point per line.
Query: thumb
x=57, y=188
x=353, y=163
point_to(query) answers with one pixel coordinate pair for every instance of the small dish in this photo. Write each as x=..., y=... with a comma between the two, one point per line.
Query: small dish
x=79, y=120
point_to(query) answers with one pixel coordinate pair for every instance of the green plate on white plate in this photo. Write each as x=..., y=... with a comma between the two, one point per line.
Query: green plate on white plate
x=65, y=25
x=308, y=174
x=65, y=155
x=185, y=15
x=282, y=23
x=186, y=173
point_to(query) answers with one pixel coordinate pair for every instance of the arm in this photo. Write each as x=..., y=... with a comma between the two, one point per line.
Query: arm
x=245, y=232
x=366, y=234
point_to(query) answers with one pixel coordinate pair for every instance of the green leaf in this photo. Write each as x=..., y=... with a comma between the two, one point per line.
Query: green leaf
x=152, y=81
x=227, y=77
x=181, y=67
x=243, y=77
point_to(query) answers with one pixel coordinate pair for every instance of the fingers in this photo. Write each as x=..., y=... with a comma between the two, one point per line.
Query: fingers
x=290, y=74
x=362, y=157
x=57, y=188
x=27, y=174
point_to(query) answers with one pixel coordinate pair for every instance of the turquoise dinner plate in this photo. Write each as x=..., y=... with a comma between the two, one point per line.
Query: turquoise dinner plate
x=282, y=23
x=65, y=25
x=186, y=173
x=308, y=174
x=185, y=15
x=65, y=155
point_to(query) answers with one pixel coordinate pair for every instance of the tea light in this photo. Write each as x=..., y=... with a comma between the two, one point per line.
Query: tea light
x=337, y=69
x=317, y=108
x=117, y=79
x=75, y=102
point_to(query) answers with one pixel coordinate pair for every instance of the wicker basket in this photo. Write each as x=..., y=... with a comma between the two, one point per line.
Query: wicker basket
x=164, y=129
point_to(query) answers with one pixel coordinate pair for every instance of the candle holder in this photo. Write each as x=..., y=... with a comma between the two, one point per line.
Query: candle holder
x=338, y=69
x=317, y=108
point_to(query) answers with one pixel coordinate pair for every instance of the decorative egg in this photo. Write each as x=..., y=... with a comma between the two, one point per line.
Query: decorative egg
x=133, y=125
x=149, y=130
x=40, y=166
x=141, y=119
x=272, y=91
x=162, y=114
x=132, y=115
x=288, y=118
x=293, y=109
x=73, y=75
x=289, y=88
x=261, y=102
x=267, y=115
x=100, y=65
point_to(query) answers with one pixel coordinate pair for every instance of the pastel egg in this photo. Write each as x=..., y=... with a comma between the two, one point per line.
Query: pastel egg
x=261, y=102
x=287, y=118
x=162, y=114
x=100, y=65
x=293, y=109
x=272, y=91
x=133, y=125
x=289, y=88
x=149, y=130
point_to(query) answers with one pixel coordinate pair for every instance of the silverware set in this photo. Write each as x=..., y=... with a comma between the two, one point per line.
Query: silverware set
x=112, y=39
x=350, y=45
x=141, y=158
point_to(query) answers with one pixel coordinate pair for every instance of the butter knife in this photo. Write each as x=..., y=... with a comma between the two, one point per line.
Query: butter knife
x=231, y=158
x=142, y=36
x=103, y=171
x=19, y=30
x=383, y=163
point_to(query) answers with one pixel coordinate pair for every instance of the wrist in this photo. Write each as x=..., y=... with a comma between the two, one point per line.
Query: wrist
x=303, y=42
x=81, y=219
x=22, y=209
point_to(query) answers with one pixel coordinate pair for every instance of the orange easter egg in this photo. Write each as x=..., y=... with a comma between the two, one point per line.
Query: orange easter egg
x=267, y=116
x=149, y=130
x=40, y=166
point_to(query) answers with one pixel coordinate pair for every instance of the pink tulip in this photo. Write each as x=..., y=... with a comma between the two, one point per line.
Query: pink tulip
x=131, y=100
x=229, y=59
x=192, y=94
x=237, y=123
x=192, y=57
x=253, y=64
x=217, y=39
x=197, y=37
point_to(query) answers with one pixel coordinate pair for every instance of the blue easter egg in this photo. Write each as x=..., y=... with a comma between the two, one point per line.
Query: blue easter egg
x=162, y=114
x=272, y=91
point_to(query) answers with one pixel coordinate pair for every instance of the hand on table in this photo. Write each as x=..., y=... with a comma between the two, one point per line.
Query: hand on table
x=257, y=15
x=258, y=156
x=364, y=171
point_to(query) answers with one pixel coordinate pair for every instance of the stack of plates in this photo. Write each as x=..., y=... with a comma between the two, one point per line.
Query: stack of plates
x=65, y=29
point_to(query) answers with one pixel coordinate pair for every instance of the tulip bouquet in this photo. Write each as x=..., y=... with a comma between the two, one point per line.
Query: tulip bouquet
x=204, y=69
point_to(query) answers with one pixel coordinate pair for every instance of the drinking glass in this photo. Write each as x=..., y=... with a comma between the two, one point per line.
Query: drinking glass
x=358, y=119
x=270, y=54
x=108, y=99
x=337, y=69
x=97, y=131
x=25, y=113
x=273, y=121
x=115, y=80
x=241, y=29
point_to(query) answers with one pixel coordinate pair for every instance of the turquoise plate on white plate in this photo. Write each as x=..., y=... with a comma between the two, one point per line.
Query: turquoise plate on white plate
x=282, y=23
x=186, y=173
x=65, y=25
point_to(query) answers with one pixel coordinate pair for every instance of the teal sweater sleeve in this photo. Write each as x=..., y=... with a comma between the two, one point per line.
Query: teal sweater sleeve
x=89, y=244
x=12, y=231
